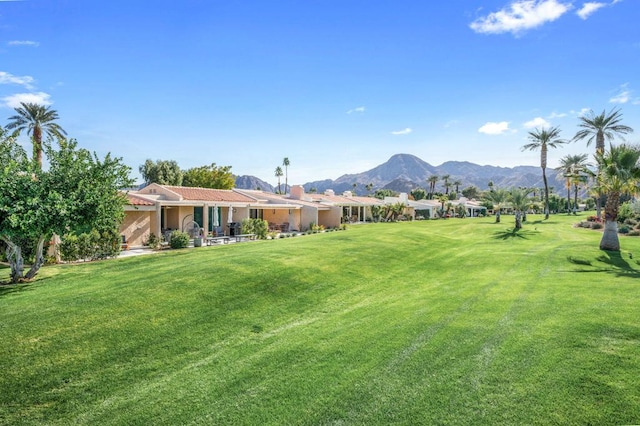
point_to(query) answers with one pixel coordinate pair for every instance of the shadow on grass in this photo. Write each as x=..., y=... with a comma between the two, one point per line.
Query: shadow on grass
x=513, y=233
x=7, y=288
x=612, y=262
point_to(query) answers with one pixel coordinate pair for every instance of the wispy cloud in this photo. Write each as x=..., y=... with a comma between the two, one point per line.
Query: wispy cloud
x=557, y=115
x=494, y=128
x=13, y=101
x=520, y=16
x=26, y=81
x=537, y=122
x=23, y=43
x=358, y=110
x=580, y=113
x=402, y=132
x=589, y=8
x=450, y=123
x=623, y=96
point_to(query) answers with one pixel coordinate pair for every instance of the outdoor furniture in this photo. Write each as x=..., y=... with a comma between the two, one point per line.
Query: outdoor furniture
x=221, y=239
x=241, y=237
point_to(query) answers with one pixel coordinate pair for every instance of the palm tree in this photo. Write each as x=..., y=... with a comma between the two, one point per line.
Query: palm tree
x=279, y=175
x=600, y=127
x=433, y=179
x=619, y=174
x=447, y=185
x=36, y=120
x=368, y=187
x=286, y=163
x=574, y=169
x=519, y=201
x=544, y=139
x=457, y=184
x=497, y=197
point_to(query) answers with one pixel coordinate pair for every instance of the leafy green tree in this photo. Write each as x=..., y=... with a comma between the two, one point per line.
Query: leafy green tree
x=278, y=174
x=418, y=194
x=600, y=127
x=37, y=120
x=286, y=163
x=619, y=174
x=78, y=193
x=497, y=197
x=210, y=176
x=544, y=139
x=162, y=172
x=381, y=193
x=471, y=192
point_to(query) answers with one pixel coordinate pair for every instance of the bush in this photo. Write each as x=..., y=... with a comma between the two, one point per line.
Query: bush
x=153, y=242
x=624, y=229
x=179, y=240
x=634, y=233
x=89, y=246
x=596, y=225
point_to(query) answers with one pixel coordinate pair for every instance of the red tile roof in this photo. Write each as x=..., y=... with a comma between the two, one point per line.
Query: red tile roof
x=207, y=194
x=137, y=201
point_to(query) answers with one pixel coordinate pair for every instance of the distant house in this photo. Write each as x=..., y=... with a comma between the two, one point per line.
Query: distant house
x=157, y=209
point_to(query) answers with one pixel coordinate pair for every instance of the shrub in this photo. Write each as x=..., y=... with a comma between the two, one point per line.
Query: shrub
x=89, y=246
x=624, y=229
x=634, y=233
x=596, y=225
x=179, y=240
x=259, y=227
x=153, y=242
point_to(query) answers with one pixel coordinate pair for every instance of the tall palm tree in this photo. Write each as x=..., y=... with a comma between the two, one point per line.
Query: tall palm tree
x=574, y=170
x=600, y=127
x=619, y=174
x=279, y=174
x=368, y=187
x=457, y=184
x=37, y=120
x=286, y=163
x=544, y=139
x=433, y=179
x=446, y=184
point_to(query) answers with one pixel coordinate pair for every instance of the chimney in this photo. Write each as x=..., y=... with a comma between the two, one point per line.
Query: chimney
x=296, y=192
x=329, y=192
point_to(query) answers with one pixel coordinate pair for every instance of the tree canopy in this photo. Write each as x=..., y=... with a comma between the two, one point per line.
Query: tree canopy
x=78, y=192
x=210, y=176
x=162, y=172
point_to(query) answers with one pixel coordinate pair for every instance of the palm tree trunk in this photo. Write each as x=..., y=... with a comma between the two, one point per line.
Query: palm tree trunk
x=610, y=239
x=518, y=220
x=16, y=261
x=575, y=199
x=546, y=194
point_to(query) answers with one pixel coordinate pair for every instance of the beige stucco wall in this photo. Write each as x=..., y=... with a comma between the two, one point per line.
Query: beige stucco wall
x=136, y=227
x=330, y=218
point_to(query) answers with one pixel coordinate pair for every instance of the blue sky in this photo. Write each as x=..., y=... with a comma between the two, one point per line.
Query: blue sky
x=337, y=86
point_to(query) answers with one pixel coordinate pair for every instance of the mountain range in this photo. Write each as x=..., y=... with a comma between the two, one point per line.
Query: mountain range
x=405, y=172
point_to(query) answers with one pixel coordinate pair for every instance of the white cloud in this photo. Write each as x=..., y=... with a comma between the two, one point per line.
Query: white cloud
x=450, y=123
x=493, y=128
x=40, y=98
x=537, y=122
x=6, y=78
x=623, y=96
x=24, y=43
x=520, y=16
x=360, y=110
x=402, y=132
x=588, y=8
x=557, y=115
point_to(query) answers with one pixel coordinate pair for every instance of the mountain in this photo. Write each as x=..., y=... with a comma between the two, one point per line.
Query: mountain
x=252, y=182
x=403, y=172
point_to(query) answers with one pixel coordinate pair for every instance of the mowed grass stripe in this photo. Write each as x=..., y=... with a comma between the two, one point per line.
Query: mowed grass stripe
x=433, y=322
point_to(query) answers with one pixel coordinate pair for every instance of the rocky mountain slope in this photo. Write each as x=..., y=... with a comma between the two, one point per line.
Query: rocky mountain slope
x=404, y=172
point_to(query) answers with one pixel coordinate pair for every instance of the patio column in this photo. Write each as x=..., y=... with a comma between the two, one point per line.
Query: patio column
x=158, y=228
x=205, y=219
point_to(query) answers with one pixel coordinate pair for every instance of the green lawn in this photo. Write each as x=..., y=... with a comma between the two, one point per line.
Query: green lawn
x=433, y=322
